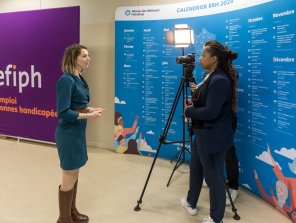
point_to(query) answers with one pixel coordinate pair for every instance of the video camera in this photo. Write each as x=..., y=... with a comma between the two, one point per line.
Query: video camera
x=189, y=58
x=188, y=62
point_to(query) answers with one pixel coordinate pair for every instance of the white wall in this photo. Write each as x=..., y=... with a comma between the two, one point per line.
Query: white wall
x=97, y=33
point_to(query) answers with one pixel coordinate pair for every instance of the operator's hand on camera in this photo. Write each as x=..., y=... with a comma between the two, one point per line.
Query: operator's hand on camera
x=193, y=86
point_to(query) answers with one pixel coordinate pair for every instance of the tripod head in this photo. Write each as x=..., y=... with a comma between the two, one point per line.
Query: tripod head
x=188, y=62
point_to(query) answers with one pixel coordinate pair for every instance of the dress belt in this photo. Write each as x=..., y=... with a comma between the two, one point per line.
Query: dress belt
x=81, y=110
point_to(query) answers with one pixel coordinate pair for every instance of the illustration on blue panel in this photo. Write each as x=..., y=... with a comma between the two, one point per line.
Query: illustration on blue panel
x=285, y=186
x=129, y=140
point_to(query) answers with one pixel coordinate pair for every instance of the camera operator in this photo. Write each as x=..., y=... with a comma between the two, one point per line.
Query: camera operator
x=211, y=110
x=231, y=161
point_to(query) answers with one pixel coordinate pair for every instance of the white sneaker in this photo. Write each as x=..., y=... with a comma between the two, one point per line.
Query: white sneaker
x=204, y=184
x=186, y=205
x=233, y=194
x=209, y=220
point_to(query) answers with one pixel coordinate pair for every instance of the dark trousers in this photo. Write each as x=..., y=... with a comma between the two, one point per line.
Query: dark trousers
x=210, y=166
x=231, y=164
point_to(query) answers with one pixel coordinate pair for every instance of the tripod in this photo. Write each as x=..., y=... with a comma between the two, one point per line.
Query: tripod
x=181, y=154
x=181, y=89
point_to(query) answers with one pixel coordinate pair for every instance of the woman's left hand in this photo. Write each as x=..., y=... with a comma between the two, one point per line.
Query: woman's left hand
x=92, y=109
x=99, y=109
x=187, y=103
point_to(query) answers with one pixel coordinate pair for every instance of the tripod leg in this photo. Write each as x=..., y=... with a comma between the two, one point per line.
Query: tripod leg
x=176, y=156
x=138, y=208
x=161, y=140
x=235, y=216
x=178, y=162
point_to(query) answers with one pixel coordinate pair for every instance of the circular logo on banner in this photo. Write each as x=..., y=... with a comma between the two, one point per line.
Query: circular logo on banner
x=127, y=12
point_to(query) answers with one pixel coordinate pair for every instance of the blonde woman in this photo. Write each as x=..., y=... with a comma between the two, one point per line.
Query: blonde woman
x=73, y=111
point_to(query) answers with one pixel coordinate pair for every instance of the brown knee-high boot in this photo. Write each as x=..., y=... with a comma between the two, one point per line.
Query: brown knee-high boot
x=65, y=203
x=76, y=216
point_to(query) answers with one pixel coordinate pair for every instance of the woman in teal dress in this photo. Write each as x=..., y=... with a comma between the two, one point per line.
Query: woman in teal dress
x=73, y=111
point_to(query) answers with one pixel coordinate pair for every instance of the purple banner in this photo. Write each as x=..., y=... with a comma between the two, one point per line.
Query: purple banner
x=32, y=45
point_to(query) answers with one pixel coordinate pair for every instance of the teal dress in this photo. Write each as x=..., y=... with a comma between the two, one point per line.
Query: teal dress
x=72, y=94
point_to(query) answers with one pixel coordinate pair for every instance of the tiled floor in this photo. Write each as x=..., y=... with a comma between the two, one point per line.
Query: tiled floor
x=109, y=187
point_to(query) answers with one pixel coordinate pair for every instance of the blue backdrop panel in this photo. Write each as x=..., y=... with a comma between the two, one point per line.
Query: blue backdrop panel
x=147, y=78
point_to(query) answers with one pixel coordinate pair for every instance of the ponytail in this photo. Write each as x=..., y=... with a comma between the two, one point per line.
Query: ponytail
x=225, y=57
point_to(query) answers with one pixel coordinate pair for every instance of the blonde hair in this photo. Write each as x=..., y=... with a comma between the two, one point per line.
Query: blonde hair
x=70, y=55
